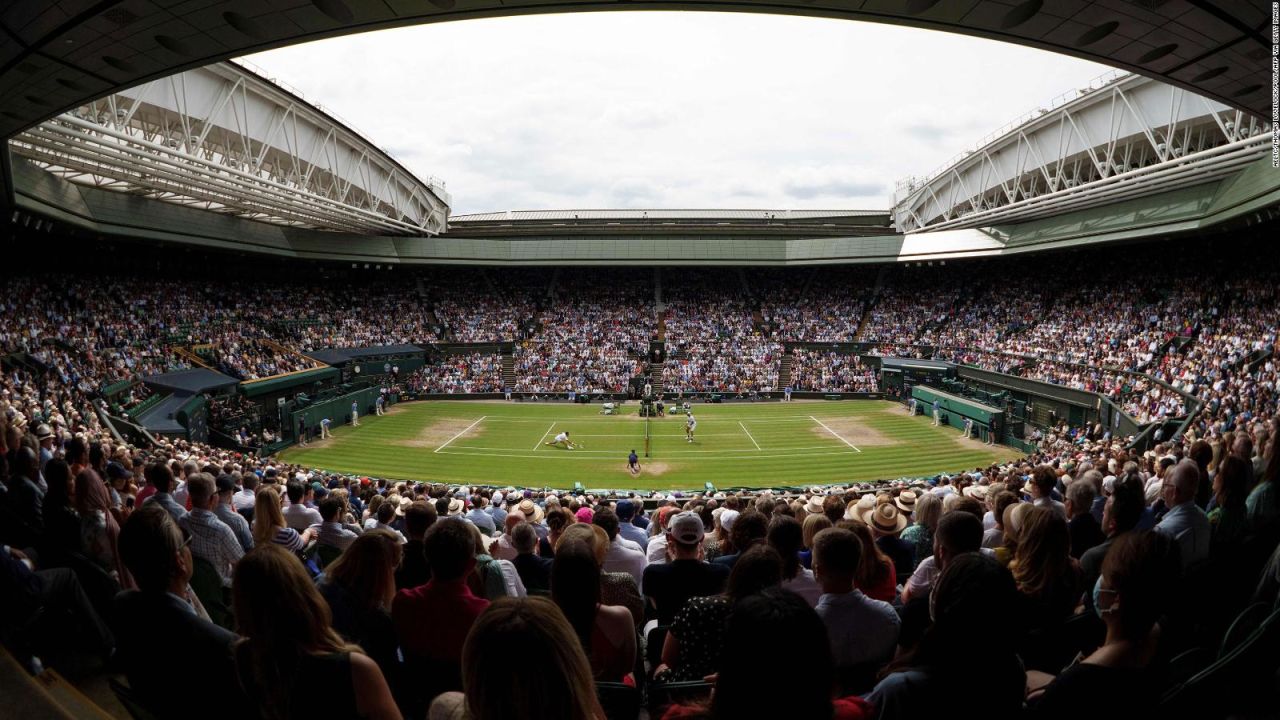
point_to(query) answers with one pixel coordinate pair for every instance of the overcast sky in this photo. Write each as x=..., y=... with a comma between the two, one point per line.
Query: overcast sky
x=672, y=110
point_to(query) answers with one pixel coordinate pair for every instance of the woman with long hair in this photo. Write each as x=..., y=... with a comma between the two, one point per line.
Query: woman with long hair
x=291, y=662
x=787, y=537
x=1130, y=596
x=812, y=525
x=359, y=587
x=1012, y=525
x=607, y=632
x=762, y=628
x=61, y=520
x=1264, y=499
x=877, y=578
x=1229, y=518
x=927, y=512
x=616, y=588
x=693, y=646
x=269, y=526
x=926, y=682
x=99, y=532
x=558, y=685
x=1048, y=577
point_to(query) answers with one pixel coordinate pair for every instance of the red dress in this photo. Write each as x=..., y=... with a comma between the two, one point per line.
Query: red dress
x=886, y=589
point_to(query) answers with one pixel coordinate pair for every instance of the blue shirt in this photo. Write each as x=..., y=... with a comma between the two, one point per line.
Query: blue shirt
x=633, y=458
x=1189, y=527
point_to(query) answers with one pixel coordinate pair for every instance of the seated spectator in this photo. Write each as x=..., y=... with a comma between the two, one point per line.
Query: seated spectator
x=301, y=513
x=863, y=632
x=623, y=555
x=99, y=533
x=926, y=683
x=450, y=549
x=535, y=571
x=1120, y=515
x=226, y=512
x=813, y=524
x=502, y=548
x=606, y=632
x=557, y=520
x=1129, y=597
x=162, y=625
x=414, y=569
x=1185, y=522
x=993, y=537
x=616, y=588
x=668, y=586
x=765, y=626
x=333, y=533
x=359, y=587
x=289, y=649
x=559, y=686
x=1013, y=515
x=886, y=522
x=626, y=512
x=1264, y=500
x=479, y=517
x=1041, y=487
x=958, y=533
x=269, y=527
x=692, y=649
x=746, y=529
x=25, y=498
x=61, y=519
x=1229, y=518
x=876, y=577
x=787, y=538
x=927, y=513
x=492, y=578
x=160, y=477
x=1084, y=530
x=1048, y=577
x=211, y=539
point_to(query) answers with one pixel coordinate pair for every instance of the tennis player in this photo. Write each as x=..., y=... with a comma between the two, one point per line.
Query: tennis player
x=690, y=424
x=562, y=440
x=633, y=463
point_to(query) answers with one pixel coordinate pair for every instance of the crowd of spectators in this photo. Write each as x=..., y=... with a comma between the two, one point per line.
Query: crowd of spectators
x=459, y=373
x=824, y=306
x=713, y=341
x=403, y=599
x=817, y=371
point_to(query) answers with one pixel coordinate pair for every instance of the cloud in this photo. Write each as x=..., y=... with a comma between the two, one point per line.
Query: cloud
x=580, y=110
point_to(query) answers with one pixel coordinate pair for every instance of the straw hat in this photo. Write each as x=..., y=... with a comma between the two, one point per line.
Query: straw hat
x=856, y=510
x=814, y=505
x=886, y=519
x=531, y=511
x=906, y=501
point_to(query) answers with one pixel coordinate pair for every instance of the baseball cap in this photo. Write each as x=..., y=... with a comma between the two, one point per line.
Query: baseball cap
x=686, y=527
x=226, y=483
x=727, y=518
x=116, y=471
x=625, y=510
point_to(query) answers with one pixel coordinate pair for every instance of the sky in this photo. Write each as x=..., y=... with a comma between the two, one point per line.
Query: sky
x=672, y=109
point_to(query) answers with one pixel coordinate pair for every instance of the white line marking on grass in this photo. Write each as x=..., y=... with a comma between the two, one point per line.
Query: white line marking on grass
x=837, y=435
x=544, y=436
x=460, y=434
x=586, y=456
x=748, y=432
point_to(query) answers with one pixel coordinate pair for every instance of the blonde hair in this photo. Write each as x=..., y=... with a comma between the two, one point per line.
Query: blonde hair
x=1044, y=550
x=267, y=515
x=928, y=511
x=813, y=525
x=367, y=569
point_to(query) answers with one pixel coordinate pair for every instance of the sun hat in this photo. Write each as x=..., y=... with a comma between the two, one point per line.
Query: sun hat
x=727, y=518
x=44, y=432
x=814, y=505
x=455, y=507
x=906, y=501
x=885, y=519
x=864, y=504
x=687, y=528
x=531, y=511
x=977, y=492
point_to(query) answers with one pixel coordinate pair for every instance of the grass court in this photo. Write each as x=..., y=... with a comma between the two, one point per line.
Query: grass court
x=768, y=444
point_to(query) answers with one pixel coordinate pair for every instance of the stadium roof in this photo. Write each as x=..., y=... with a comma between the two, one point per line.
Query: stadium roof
x=58, y=54
x=658, y=214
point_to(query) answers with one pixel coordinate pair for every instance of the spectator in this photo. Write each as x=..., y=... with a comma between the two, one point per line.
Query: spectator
x=1185, y=523
x=1129, y=597
x=481, y=519
x=925, y=682
x=993, y=537
x=746, y=529
x=787, y=537
x=626, y=512
x=535, y=571
x=1048, y=577
x=414, y=569
x=1229, y=518
x=332, y=531
x=1264, y=500
x=557, y=687
x=1013, y=518
x=928, y=511
x=887, y=522
x=211, y=539
x=767, y=625
x=692, y=649
x=668, y=586
x=288, y=646
x=269, y=527
x=863, y=632
x=163, y=625
x=1120, y=515
x=225, y=510
x=616, y=588
x=813, y=524
x=160, y=477
x=876, y=578
x=1084, y=529
x=623, y=555
x=300, y=514
x=99, y=533
x=1041, y=487
x=607, y=633
x=450, y=549
x=61, y=519
x=958, y=533
x=25, y=497
x=359, y=587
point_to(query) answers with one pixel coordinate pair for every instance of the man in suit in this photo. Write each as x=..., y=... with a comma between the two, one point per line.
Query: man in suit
x=25, y=497
x=161, y=625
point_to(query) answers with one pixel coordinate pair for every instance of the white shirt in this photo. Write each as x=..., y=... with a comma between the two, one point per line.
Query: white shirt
x=804, y=585
x=860, y=628
x=657, y=550
x=562, y=437
x=621, y=558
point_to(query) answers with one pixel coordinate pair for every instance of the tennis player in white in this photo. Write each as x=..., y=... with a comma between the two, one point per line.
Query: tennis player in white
x=690, y=424
x=561, y=440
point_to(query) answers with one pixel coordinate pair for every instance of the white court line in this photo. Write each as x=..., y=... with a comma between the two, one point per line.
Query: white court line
x=602, y=418
x=460, y=434
x=544, y=436
x=670, y=435
x=748, y=432
x=721, y=452
x=586, y=456
x=833, y=432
